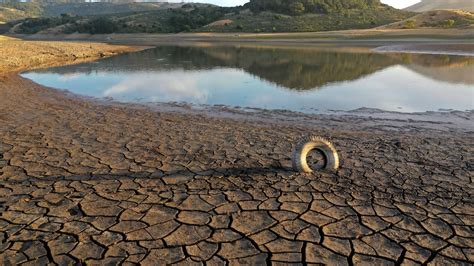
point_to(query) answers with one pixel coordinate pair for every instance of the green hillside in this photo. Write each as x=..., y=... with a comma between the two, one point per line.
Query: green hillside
x=308, y=15
x=298, y=7
x=19, y=10
x=274, y=22
x=90, y=9
x=185, y=19
x=256, y=16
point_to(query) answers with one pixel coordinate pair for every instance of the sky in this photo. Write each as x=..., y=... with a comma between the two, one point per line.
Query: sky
x=395, y=3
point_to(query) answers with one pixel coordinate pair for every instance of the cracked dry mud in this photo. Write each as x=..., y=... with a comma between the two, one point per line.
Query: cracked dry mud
x=97, y=183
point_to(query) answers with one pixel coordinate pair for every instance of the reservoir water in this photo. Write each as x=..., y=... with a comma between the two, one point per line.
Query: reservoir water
x=305, y=79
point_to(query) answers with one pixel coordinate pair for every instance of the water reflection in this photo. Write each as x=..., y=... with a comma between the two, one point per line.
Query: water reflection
x=169, y=90
x=312, y=78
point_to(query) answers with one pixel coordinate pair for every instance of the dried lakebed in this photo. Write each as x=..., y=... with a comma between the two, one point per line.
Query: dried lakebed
x=94, y=182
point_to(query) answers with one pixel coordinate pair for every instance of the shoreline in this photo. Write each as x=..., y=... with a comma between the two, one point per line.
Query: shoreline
x=378, y=37
x=376, y=34
x=458, y=120
x=30, y=55
x=384, y=121
x=436, y=120
x=418, y=41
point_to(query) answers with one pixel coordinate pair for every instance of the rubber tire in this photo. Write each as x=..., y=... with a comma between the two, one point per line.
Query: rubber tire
x=310, y=143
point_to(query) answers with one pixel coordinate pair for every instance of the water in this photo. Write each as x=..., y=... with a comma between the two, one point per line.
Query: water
x=306, y=79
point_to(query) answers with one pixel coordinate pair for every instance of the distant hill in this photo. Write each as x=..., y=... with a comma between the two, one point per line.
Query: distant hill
x=186, y=18
x=256, y=16
x=267, y=21
x=9, y=13
x=15, y=11
x=310, y=6
x=436, y=19
x=89, y=9
x=429, y=5
x=305, y=16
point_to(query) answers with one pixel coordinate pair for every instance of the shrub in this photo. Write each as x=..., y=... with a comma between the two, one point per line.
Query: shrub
x=100, y=25
x=409, y=24
x=448, y=23
x=296, y=8
x=35, y=25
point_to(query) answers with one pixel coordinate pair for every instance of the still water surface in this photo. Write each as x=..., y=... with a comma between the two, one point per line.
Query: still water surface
x=307, y=79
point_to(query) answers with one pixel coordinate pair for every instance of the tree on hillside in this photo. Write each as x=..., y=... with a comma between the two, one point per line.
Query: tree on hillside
x=309, y=6
x=296, y=8
x=409, y=24
x=448, y=23
x=101, y=25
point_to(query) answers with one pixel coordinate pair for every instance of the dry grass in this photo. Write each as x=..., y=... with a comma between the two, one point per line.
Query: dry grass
x=435, y=19
x=17, y=55
x=428, y=5
x=5, y=38
x=221, y=23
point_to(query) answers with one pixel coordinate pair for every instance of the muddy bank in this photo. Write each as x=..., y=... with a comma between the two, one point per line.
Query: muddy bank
x=374, y=36
x=17, y=55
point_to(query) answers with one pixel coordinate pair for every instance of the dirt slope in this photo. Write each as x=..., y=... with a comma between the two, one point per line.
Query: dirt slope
x=51, y=53
x=428, y=5
x=436, y=19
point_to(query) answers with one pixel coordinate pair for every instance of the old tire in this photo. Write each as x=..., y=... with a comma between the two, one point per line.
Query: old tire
x=308, y=144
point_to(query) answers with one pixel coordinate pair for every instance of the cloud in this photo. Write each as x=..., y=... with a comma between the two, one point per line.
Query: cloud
x=153, y=87
x=68, y=77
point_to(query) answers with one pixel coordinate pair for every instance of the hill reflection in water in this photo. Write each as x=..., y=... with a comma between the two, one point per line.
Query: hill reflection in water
x=292, y=68
x=251, y=76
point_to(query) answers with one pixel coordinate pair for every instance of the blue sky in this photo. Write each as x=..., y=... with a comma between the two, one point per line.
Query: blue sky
x=395, y=3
